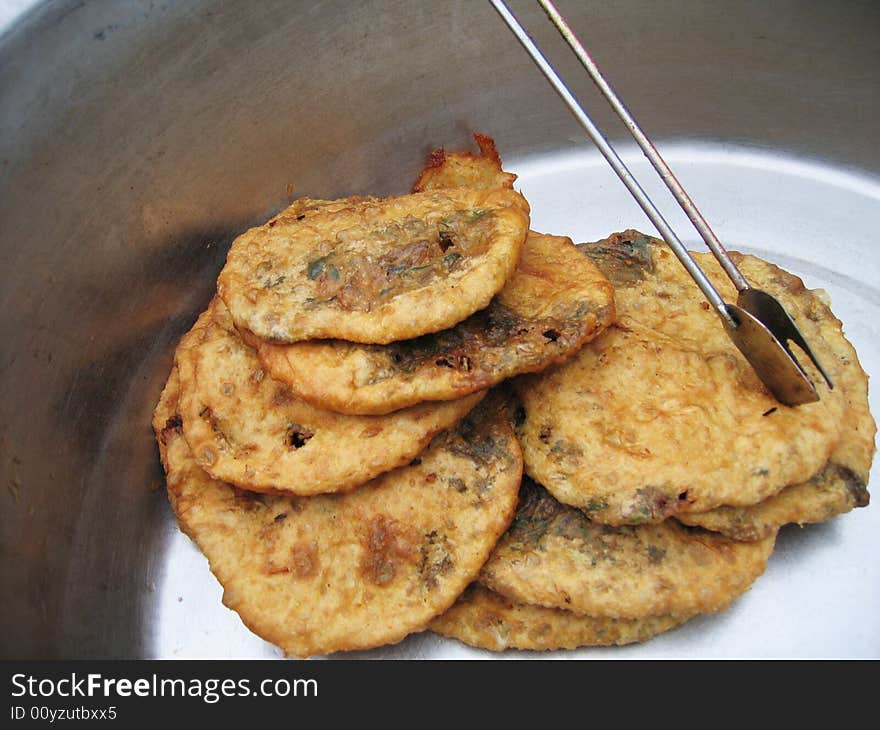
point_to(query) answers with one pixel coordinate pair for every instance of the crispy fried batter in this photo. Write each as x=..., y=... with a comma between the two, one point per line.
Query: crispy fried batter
x=833, y=491
x=553, y=556
x=371, y=270
x=246, y=428
x=488, y=620
x=552, y=305
x=555, y=302
x=661, y=413
x=465, y=169
x=838, y=488
x=334, y=572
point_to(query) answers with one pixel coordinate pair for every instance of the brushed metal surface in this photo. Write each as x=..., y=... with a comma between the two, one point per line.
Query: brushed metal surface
x=137, y=139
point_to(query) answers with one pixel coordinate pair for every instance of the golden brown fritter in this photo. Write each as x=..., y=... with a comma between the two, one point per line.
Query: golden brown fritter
x=661, y=413
x=833, y=491
x=335, y=572
x=465, y=169
x=838, y=488
x=248, y=429
x=374, y=270
x=553, y=556
x=488, y=620
x=556, y=301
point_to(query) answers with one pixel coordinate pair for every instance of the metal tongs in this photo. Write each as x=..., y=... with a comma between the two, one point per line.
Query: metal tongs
x=758, y=324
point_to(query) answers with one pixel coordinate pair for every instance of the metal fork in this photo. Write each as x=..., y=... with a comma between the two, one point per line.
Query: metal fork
x=758, y=324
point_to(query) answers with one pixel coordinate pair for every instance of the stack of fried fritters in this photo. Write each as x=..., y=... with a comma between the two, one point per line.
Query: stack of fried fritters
x=666, y=467
x=342, y=441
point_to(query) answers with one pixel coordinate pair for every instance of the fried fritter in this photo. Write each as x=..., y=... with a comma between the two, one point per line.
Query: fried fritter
x=553, y=556
x=551, y=305
x=488, y=620
x=248, y=429
x=375, y=271
x=335, y=572
x=556, y=301
x=661, y=414
x=838, y=488
x=833, y=491
x=465, y=169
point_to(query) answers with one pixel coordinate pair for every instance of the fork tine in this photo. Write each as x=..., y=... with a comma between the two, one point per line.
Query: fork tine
x=767, y=308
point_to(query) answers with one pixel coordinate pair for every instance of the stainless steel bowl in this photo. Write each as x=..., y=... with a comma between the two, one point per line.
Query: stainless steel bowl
x=139, y=138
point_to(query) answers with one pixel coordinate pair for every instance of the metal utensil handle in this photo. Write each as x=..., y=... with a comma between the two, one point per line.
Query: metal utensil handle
x=626, y=177
x=648, y=147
